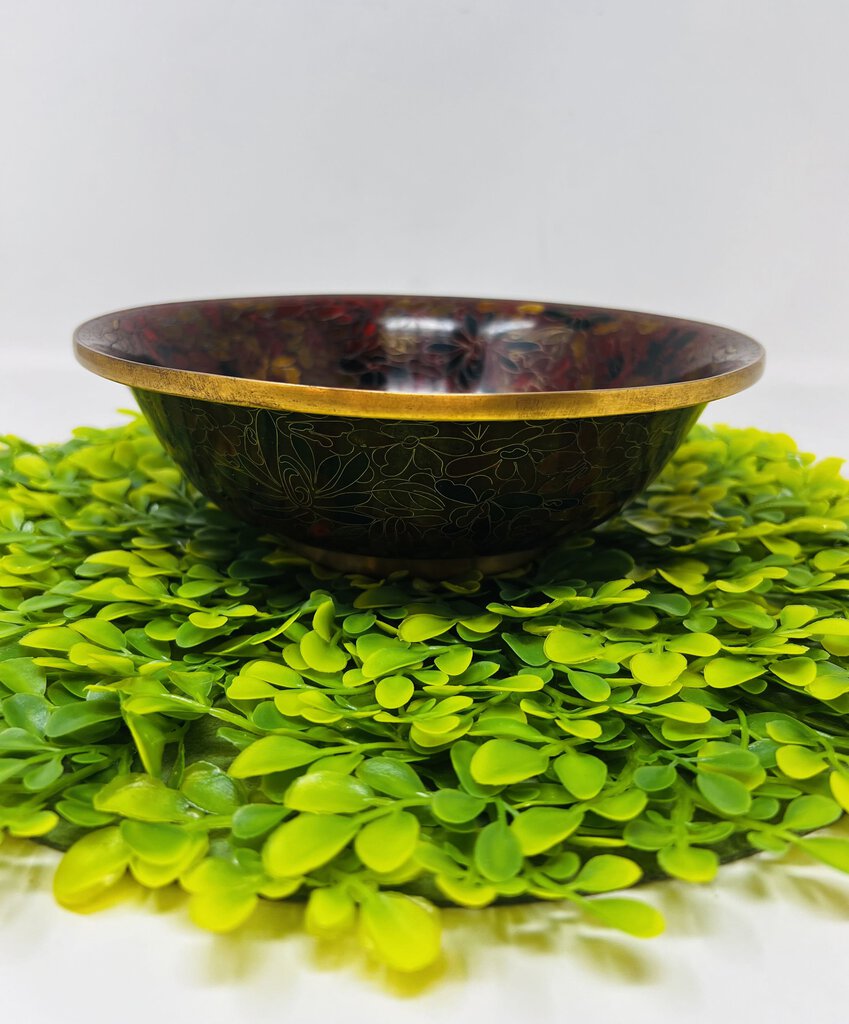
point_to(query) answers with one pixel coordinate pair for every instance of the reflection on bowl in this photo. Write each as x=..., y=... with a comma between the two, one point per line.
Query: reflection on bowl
x=380, y=432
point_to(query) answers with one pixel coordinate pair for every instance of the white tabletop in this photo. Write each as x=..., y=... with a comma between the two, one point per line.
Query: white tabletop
x=766, y=941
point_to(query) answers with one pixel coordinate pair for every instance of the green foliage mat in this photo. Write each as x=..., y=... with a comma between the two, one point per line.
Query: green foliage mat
x=184, y=699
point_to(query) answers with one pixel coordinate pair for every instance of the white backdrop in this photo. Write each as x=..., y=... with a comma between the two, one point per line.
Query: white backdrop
x=679, y=156
x=682, y=156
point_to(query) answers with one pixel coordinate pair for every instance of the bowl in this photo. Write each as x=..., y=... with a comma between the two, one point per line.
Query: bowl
x=436, y=434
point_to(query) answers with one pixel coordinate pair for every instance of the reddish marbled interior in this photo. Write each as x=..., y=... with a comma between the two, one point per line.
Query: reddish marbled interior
x=420, y=344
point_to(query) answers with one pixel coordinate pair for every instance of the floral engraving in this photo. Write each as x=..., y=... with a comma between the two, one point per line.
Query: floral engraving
x=414, y=489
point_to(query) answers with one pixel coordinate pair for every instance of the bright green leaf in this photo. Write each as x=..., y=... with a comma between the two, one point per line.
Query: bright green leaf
x=386, y=843
x=401, y=931
x=273, y=754
x=502, y=762
x=305, y=843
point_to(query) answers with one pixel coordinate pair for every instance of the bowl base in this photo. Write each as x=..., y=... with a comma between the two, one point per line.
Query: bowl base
x=426, y=568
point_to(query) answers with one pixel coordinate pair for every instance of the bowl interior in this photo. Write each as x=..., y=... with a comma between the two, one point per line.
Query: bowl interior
x=421, y=345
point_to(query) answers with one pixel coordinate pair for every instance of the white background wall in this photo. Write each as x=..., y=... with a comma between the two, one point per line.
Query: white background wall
x=682, y=156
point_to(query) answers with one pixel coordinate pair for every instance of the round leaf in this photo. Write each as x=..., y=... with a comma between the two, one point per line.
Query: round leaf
x=654, y=778
x=497, y=853
x=607, y=872
x=90, y=867
x=390, y=776
x=321, y=654
x=456, y=807
x=22, y=675
x=157, y=843
x=454, y=661
x=222, y=910
x=657, y=669
x=589, y=685
x=273, y=754
x=253, y=820
x=401, y=931
x=465, y=891
x=305, y=843
x=629, y=916
x=387, y=843
x=700, y=645
x=143, y=798
x=724, y=672
x=726, y=794
x=540, y=828
x=689, y=863
x=330, y=912
x=394, y=691
x=502, y=762
x=328, y=792
x=209, y=787
x=569, y=647
x=806, y=813
x=796, y=671
x=799, y=763
x=584, y=775
x=416, y=628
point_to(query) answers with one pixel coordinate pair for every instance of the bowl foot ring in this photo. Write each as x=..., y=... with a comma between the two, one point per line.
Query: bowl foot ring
x=426, y=568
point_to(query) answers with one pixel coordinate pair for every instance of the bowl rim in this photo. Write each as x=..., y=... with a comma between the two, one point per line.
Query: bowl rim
x=421, y=406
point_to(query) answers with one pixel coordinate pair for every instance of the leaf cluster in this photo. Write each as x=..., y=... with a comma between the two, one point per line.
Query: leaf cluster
x=184, y=699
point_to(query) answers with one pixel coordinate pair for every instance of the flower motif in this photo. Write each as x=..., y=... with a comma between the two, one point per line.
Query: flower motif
x=399, y=447
x=463, y=352
x=394, y=487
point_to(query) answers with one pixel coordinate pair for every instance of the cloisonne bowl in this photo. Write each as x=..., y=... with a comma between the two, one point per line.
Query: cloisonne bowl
x=436, y=434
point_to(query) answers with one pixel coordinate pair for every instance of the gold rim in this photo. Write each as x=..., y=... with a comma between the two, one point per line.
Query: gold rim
x=542, y=405
x=367, y=404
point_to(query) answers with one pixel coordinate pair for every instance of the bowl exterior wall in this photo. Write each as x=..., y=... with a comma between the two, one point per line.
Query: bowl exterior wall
x=414, y=490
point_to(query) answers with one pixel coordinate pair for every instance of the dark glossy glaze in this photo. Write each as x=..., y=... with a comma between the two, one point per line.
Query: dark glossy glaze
x=398, y=489
x=420, y=345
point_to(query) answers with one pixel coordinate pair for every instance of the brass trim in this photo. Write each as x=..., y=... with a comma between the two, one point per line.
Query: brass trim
x=425, y=568
x=542, y=405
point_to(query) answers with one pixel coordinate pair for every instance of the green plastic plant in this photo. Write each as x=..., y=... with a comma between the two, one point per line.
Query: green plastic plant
x=183, y=699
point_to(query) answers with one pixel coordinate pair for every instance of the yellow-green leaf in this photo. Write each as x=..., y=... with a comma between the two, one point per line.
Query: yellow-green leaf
x=799, y=762
x=401, y=931
x=90, y=867
x=386, y=843
x=305, y=843
x=273, y=754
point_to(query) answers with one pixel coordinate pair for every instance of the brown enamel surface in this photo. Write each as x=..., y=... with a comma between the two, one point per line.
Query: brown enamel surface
x=428, y=354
